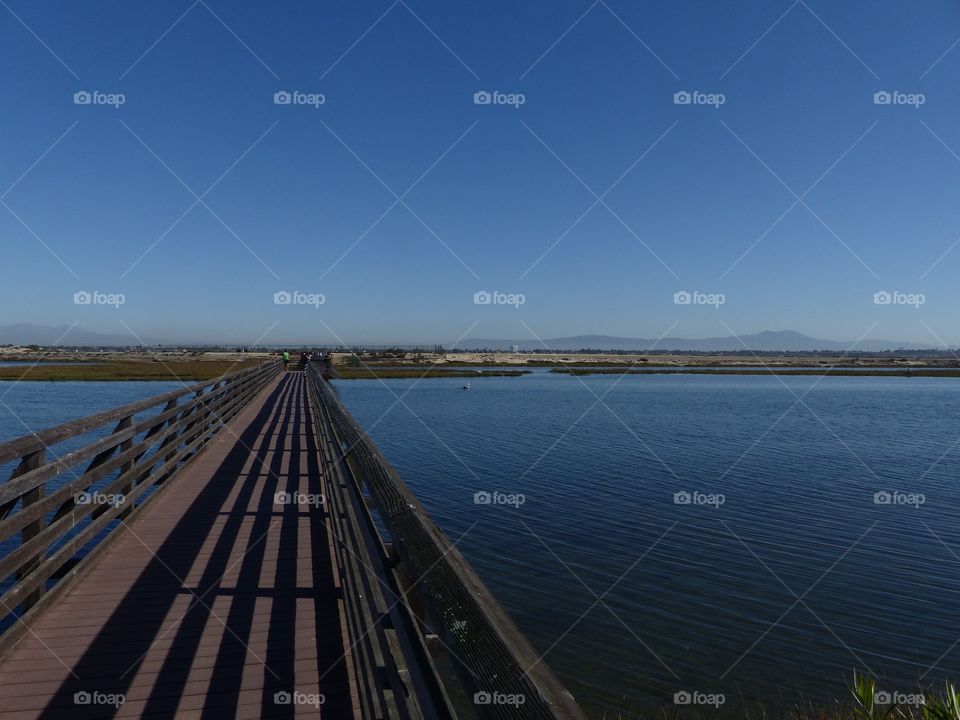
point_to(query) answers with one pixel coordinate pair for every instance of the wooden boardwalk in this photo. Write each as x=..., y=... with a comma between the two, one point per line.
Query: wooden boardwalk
x=218, y=602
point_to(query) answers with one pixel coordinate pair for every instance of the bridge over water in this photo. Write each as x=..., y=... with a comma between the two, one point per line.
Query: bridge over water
x=240, y=548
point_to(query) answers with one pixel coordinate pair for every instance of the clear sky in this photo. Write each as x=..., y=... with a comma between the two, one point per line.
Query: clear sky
x=398, y=198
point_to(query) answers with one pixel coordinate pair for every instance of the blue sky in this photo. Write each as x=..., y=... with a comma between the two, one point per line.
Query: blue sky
x=692, y=197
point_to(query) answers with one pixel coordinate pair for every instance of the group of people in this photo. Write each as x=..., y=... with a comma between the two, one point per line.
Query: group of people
x=306, y=357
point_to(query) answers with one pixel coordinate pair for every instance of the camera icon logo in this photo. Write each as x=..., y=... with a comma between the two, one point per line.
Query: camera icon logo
x=83, y=498
x=82, y=698
x=282, y=697
x=682, y=297
x=682, y=498
x=282, y=97
x=482, y=698
x=882, y=97
x=282, y=498
x=482, y=498
x=82, y=97
x=82, y=298
x=882, y=298
x=682, y=97
x=682, y=698
x=482, y=298
x=882, y=697
x=882, y=498
x=282, y=297
x=482, y=97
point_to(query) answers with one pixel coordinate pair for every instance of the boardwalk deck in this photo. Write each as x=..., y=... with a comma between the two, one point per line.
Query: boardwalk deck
x=213, y=601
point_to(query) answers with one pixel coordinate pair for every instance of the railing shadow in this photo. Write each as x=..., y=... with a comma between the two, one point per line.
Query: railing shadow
x=116, y=654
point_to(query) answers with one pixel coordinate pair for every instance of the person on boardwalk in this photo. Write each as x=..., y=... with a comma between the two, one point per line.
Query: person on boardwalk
x=286, y=359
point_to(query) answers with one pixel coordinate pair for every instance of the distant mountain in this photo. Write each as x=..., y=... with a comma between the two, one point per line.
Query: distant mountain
x=26, y=334
x=768, y=340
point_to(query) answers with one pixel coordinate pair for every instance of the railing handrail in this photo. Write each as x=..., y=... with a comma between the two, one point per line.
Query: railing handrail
x=51, y=524
x=26, y=444
x=552, y=699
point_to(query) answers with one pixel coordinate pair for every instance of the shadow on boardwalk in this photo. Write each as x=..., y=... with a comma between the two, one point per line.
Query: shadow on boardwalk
x=214, y=601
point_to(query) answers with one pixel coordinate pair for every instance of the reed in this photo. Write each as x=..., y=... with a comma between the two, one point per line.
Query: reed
x=126, y=370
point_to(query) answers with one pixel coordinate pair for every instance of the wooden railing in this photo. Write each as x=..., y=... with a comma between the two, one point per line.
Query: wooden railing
x=322, y=364
x=55, y=515
x=395, y=677
x=498, y=673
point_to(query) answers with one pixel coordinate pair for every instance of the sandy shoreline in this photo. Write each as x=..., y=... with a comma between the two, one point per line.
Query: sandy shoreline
x=507, y=359
x=502, y=359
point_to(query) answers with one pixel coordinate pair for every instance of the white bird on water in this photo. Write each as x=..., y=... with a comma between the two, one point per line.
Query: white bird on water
x=466, y=386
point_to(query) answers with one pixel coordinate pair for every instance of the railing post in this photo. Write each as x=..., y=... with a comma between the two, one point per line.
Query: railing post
x=125, y=424
x=195, y=412
x=28, y=463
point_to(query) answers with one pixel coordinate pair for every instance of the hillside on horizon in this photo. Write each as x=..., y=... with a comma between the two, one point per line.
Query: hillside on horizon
x=765, y=341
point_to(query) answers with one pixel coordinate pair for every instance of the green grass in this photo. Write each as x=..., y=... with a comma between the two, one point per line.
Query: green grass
x=865, y=702
x=127, y=370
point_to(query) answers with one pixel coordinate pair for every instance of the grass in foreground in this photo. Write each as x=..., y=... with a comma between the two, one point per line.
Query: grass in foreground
x=127, y=370
x=866, y=702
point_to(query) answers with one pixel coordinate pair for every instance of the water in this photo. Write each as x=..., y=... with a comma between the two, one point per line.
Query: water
x=795, y=580
x=30, y=406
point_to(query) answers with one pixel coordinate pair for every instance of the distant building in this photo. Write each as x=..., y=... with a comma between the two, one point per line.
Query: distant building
x=515, y=348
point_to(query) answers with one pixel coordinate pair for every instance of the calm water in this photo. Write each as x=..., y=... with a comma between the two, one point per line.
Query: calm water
x=32, y=406
x=700, y=597
x=695, y=597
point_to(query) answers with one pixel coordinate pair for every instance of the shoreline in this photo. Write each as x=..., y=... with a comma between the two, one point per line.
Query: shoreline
x=125, y=370
x=587, y=359
x=48, y=365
